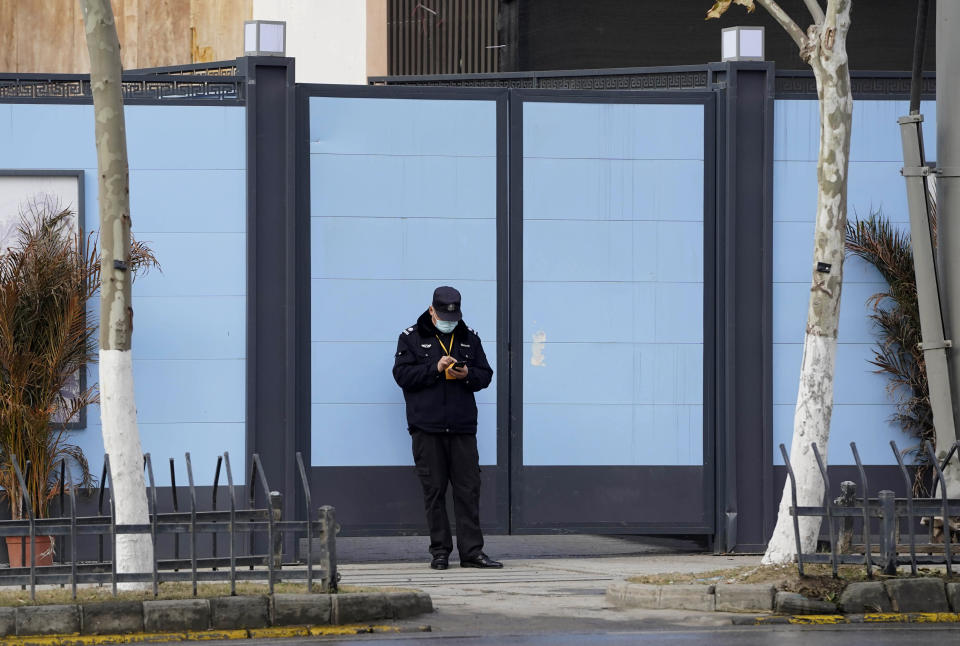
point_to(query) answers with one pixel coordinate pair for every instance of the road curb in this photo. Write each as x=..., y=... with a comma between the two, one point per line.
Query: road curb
x=40, y=624
x=917, y=599
x=205, y=635
x=869, y=618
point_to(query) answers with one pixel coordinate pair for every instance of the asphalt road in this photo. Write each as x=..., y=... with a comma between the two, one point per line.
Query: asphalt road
x=753, y=636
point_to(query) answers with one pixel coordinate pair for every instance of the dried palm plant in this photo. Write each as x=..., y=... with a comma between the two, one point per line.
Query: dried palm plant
x=897, y=318
x=46, y=279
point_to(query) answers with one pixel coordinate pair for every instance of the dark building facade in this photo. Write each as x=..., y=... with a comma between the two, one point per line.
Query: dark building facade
x=569, y=34
x=457, y=37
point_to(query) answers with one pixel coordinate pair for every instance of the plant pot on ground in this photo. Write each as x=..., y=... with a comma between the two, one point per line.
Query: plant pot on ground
x=20, y=550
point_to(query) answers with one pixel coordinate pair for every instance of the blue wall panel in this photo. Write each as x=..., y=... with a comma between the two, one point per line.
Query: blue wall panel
x=402, y=198
x=188, y=203
x=613, y=284
x=862, y=407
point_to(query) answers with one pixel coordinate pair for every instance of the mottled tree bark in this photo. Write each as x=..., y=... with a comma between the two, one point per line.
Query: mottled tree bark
x=824, y=47
x=118, y=411
x=825, y=50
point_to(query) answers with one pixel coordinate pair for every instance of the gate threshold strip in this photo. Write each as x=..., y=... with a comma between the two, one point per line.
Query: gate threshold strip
x=869, y=618
x=206, y=635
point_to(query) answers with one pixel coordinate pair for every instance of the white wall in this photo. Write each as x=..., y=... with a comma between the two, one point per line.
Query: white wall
x=327, y=37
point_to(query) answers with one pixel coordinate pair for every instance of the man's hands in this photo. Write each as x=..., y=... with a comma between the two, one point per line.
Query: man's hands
x=447, y=362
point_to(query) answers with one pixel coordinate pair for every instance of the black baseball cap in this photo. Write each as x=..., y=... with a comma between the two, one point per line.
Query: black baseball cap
x=446, y=303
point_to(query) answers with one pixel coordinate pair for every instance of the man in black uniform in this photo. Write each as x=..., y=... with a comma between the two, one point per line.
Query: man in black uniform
x=439, y=365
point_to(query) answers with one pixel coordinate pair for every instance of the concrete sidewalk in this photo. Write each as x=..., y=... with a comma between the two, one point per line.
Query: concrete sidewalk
x=558, y=583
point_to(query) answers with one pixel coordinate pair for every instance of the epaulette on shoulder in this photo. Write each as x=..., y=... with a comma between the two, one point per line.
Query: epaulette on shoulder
x=472, y=330
x=409, y=329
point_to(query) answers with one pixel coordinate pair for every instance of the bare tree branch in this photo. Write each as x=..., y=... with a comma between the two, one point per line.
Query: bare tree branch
x=815, y=10
x=785, y=21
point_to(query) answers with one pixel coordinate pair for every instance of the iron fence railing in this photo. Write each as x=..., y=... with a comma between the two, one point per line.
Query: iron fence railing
x=881, y=519
x=242, y=563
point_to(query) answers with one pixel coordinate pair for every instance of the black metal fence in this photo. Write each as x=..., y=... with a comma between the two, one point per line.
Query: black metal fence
x=884, y=521
x=249, y=560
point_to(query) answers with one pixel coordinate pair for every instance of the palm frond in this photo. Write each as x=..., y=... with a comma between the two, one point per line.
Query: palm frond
x=46, y=338
x=896, y=317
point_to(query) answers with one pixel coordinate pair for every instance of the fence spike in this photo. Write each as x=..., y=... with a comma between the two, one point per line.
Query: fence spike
x=909, y=485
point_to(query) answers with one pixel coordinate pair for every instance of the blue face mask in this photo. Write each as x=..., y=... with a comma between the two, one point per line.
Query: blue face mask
x=446, y=326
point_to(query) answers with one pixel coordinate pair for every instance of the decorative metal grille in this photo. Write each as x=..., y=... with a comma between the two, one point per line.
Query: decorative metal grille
x=220, y=68
x=658, y=79
x=60, y=87
x=864, y=85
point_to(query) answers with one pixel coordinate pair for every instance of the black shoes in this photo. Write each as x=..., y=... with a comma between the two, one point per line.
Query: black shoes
x=481, y=560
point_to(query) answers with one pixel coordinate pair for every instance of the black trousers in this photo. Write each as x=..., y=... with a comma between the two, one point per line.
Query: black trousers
x=453, y=458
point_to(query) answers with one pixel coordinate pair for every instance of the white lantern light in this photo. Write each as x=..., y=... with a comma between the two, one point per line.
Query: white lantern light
x=741, y=44
x=264, y=38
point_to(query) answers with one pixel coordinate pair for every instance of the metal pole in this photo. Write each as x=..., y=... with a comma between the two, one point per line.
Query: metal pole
x=935, y=346
x=948, y=179
x=919, y=44
x=888, y=536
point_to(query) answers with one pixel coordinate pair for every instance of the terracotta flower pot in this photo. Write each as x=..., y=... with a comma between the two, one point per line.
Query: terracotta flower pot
x=42, y=547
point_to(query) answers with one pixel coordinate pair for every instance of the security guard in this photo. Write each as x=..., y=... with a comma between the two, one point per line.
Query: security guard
x=440, y=364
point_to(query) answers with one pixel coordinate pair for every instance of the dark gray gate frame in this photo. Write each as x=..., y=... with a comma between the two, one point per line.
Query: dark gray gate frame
x=504, y=350
x=748, y=485
x=710, y=222
x=744, y=283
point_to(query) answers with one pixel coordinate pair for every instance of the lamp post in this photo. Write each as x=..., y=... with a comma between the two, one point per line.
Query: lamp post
x=264, y=38
x=741, y=44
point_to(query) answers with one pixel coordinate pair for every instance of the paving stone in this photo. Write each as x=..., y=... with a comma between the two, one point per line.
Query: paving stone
x=48, y=620
x=745, y=597
x=8, y=621
x=175, y=615
x=953, y=596
x=687, y=597
x=354, y=608
x=409, y=604
x=634, y=595
x=240, y=612
x=301, y=609
x=111, y=617
x=793, y=603
x=917, y=595
x=863, y=597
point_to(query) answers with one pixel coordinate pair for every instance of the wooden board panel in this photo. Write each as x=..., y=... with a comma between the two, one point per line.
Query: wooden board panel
x=127, y=13
x=217, y=28
x=231, y=16
x=45, y=35
x=48, y=36
x=8, y=31
x=80, y=61
x=164, y=33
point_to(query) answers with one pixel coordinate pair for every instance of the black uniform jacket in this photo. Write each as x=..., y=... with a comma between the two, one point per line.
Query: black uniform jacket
x=436, y=404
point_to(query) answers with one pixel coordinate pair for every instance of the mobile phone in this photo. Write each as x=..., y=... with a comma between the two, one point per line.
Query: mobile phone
x=460, y=364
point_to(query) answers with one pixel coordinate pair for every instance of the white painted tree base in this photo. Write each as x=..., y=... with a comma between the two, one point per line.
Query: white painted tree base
x=121, y=441
x=811, y=423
